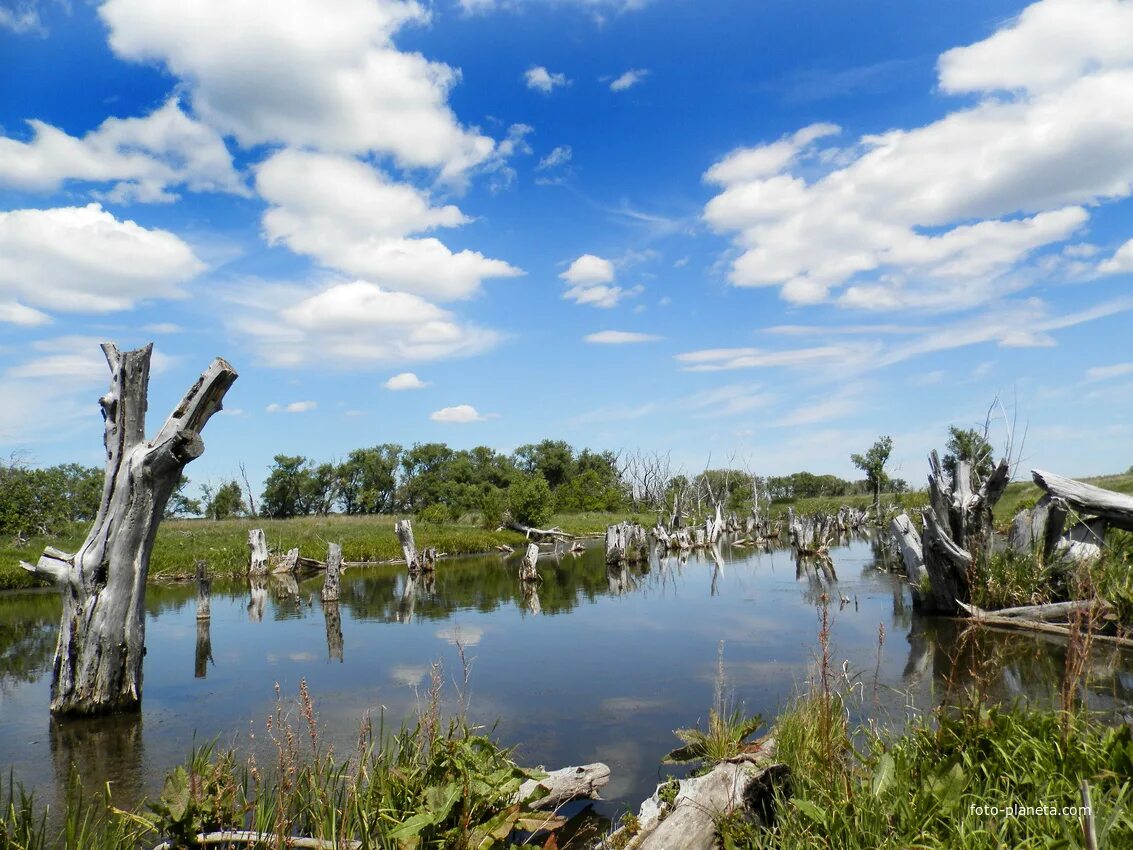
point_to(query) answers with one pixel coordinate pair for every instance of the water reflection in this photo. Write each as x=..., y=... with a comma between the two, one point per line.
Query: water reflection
x=542, y=657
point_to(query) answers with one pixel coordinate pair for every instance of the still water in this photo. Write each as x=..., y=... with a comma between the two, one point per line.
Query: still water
x=601, y=667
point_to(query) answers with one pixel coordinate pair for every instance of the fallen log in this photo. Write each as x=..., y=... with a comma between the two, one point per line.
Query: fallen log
x=1055, y=611
x=1116, y=508
x=528, y=531
x=978, y=615
x=562, y=786
x=689, y=822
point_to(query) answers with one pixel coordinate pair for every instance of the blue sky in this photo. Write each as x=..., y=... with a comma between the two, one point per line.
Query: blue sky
x=766, y=230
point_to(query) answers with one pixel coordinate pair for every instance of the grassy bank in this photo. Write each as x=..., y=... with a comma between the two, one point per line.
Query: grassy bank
x=830, y=504
x=437, y=783
x=224, y=543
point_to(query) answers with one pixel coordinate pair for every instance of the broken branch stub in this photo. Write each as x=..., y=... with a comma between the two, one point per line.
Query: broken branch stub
x=98, y=658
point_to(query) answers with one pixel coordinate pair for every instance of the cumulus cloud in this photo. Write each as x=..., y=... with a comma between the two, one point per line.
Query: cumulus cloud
x=590, y=278
x=620, y=337
x=1121, y=261
x=540, y=79
x=305, y=76
x=405, y=381
x=352, y=217
x=293, y=407
x=629, y=79
x=141, y=157
x=83, y=259
x=949, y=214
x=349, y=325
x=460, y=413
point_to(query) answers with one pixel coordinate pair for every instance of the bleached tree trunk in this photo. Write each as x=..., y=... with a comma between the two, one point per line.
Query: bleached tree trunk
x=258, y=549
x=528, y=570
x=404, y=530
x=330, y=580
x=98, y=659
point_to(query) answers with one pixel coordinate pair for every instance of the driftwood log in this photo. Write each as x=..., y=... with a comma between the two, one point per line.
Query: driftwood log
x=562, y=786
x=993, y=618
x=98, y=659
x=1115, y=508
x=746, y=784
x=331, y=579
x=258, y=552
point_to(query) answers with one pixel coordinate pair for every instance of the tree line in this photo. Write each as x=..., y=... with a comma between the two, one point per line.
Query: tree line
x=440, y=484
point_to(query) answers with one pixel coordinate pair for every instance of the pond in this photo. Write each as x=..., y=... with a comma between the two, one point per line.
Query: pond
x=603, y=666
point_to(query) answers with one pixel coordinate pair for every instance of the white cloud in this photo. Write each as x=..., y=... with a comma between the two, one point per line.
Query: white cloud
x=293, y=407
x=1121, y=261
x=589, y=277
x=619, y=337
x=83, y=259
x=350, y=324
x=353, y=218
x=946, y=215
x=305, y=75
x=1104, y=373
x=461, y=413
x=629, y=79
x=559, y=156
x=20, y=17
x=142, y=157
x=405, y=381
x=540, y=79
x=163, y=328
x=724, y=359
x=15, y=313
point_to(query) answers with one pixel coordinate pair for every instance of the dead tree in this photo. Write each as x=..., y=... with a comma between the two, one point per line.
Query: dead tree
x=98, y=659
x=528, y=572
x=258, y=552
x=330, y=580
x=626, y=541
x=404, y=531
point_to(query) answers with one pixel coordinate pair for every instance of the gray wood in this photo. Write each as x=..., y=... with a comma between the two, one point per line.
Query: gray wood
x=98, y=658
x=1053, y=611
x=527, y=568
x=627, y=542
x=404, y=530
x=1117, y=508
x=204, y=592
x=258, y=552
x=331, y=579
x=562, y=786
x=909, y=545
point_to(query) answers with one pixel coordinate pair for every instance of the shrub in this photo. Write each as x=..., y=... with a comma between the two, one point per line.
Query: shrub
x=436, y=514
x=530, y=500
x=493, y=506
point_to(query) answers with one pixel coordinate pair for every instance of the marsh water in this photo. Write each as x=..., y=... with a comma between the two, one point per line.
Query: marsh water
x=602, y=666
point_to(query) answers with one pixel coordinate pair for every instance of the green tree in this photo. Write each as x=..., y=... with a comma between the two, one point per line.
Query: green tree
x=180, y=504
x=872, y=463
x=529, y=500
x=367, y=479
x=227, y=501
x=553, y=459
x=283, y=488
x=970, y=445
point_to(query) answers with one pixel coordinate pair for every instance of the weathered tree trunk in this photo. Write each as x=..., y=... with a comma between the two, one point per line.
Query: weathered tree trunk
x=626, y=541
x=909, y=544
x=528, y=571
x=330, y=580
x=204, y=592
x=258, y=549
x=98, y=659
x=561, y=786
x=287, y=564
x=404, y=531
x=1116, y=508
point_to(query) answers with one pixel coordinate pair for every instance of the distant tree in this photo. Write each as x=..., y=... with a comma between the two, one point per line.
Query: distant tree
x=872, y=463
x=553, y=459
x=318, y=488
x=227, y=501
x=970, y=445
x=530, y=501
x=367, y=479
x=180, y=504
x=424, y=469
x=493, y=507
x=283, y=488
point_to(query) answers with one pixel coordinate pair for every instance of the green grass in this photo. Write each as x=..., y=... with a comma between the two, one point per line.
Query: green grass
x=224, y=543
x=924, y=788
x=830, y=504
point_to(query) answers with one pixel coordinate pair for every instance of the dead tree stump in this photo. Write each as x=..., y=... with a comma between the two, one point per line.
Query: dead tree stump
x=334, y=566
x=204, y=592
x=404, y=531
x=626, y=541
x=258, y=549
x=98, y=659
x=527, y=568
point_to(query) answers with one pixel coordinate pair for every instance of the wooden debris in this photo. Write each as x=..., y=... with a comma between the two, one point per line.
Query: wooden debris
x=98, y=660
x=286, y=564
x=561, y=786
x=992, y=618
x=1115, y=508
x=627, y=541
